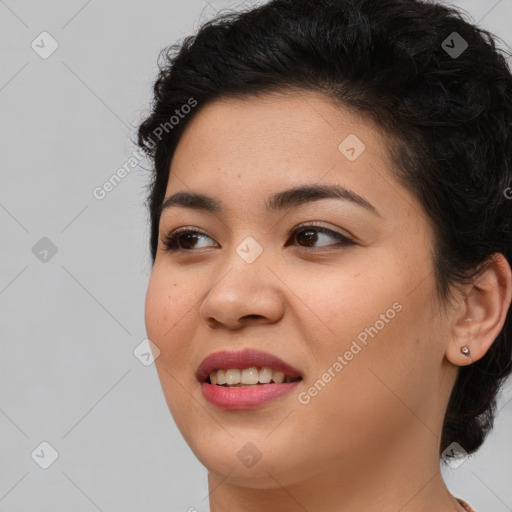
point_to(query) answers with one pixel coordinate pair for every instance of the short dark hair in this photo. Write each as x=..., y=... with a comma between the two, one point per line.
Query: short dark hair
x=403, y=64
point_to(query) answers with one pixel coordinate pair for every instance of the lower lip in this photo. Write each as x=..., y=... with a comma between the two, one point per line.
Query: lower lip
x=245, y=397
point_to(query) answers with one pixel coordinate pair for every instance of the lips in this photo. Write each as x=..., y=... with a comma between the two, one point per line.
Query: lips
x=246, y=358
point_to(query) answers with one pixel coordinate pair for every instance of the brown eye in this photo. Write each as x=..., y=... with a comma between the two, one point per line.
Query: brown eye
x=184, y=240
x=307, y=236
x=187, y=240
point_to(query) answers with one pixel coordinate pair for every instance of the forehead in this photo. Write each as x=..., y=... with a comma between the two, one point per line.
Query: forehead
x=252, y=147
x=280, y=125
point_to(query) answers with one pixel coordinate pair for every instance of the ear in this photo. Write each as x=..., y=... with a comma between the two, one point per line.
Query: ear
x=482, y=312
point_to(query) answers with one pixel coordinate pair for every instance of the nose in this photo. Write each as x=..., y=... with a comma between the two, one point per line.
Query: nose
x=245, y=294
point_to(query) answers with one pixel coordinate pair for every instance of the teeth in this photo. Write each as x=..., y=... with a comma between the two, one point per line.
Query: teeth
x=265, y=375
x=247, y=376
x=232, y=377
x=278, y=377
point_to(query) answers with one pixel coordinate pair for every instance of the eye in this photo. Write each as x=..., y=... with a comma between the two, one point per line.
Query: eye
x=183, y=239
x=311, y=234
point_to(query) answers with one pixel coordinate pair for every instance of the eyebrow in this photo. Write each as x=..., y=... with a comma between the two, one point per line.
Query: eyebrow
x=288, y=198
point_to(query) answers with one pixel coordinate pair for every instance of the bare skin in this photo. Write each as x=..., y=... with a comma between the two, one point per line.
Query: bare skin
x=369, y=440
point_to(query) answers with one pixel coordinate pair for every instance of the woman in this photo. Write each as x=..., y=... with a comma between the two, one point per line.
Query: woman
x=331, y=237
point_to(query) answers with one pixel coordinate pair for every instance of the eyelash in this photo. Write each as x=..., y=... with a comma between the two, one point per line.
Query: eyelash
x=171, y=240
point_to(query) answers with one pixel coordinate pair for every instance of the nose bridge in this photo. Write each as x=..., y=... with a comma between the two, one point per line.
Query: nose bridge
x=244, y=288
x=245, y=268
x=249, y=249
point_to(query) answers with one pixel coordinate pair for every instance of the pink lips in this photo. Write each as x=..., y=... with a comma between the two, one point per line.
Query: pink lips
x=247, y=397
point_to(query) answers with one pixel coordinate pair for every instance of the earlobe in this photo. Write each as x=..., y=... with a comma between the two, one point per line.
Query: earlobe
x=482, y=312
x=461, y=349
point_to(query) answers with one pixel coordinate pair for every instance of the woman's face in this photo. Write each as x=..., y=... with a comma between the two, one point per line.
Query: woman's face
x=358, y=319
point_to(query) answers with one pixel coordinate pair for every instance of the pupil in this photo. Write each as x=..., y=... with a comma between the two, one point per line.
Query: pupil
x=309, y=236
x=189, y=239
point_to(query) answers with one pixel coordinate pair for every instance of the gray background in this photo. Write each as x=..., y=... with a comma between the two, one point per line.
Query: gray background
x=70, y=323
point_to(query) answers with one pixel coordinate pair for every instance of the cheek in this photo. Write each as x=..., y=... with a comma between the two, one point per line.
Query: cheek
x=168, y=306
x=370, y=318
x=157, y=308
x=340, y=303
x=378, y=385
x=391, y=359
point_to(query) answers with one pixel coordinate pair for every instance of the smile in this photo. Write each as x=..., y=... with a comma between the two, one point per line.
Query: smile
x=247, y=379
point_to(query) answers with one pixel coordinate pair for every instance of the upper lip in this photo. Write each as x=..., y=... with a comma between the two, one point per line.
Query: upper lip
x=246, y=358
